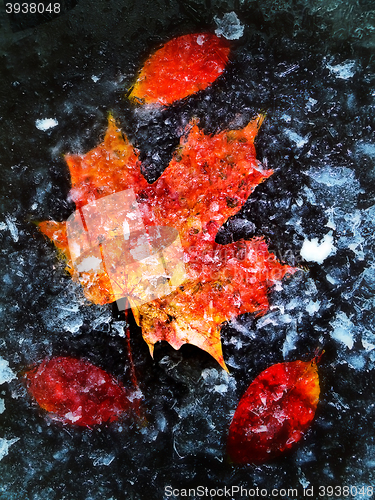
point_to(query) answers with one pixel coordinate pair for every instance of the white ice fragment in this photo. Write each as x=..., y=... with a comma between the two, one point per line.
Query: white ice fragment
x=2, y=406
x=344, y=71
x=357, y=362
x=126, y=229
x=313, y=251
x=6, y=374
x=229, y=26
x=313, y=307
x=119, y=327
x=104, y=460
x=331, y=279
x=290, y=340
x=286, y=118
x=3, y=226
x=214, y=207
x=311, y=103
x=12, y=227
x=221, y=388
x=46, y=123
x=298, y=139
x=200, y=40
x=94, y=78
x=5, y=444
x=89, y=264
x=343, y=330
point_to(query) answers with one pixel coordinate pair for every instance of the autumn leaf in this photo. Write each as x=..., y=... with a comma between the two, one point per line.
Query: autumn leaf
x=207, y=181
x=77, y=392
x=181, y=67
x=275, y=412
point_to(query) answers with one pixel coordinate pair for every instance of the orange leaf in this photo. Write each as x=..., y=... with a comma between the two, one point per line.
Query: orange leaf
x=275, y=412
x=181, y=67
x=77, y=392
x=208, y=180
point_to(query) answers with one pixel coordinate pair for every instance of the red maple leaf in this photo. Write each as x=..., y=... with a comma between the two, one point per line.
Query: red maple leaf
x=208, y=180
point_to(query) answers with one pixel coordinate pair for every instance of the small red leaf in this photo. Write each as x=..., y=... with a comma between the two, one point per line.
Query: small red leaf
x=77, y=392
x=275, y=412
x=180, y=68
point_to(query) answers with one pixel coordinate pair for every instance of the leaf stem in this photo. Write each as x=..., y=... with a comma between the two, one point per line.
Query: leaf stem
x=133, y=376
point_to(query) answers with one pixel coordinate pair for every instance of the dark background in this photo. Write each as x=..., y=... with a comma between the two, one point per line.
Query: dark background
x=309, y=65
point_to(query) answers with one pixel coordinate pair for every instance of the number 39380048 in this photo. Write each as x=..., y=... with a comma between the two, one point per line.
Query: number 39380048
x=32, y=8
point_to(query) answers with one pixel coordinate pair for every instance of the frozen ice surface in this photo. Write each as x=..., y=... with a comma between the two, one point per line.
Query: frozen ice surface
x=5, y=444
x=46, y=123
x=318, y=251
x=229, y=26
x=6, y=374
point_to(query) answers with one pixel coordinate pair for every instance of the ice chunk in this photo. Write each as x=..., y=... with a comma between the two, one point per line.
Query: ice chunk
x=12, y=227
x=94, y=78
x=46, y=123
x=343, y=330
x=2, y=406
x=6, y=374
x=345, y=70
x=290, y=340
x=313, y=251
x=229, y=26
x=313, y=307
x=298, y=139
x=5, y=444
x=104, y=460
